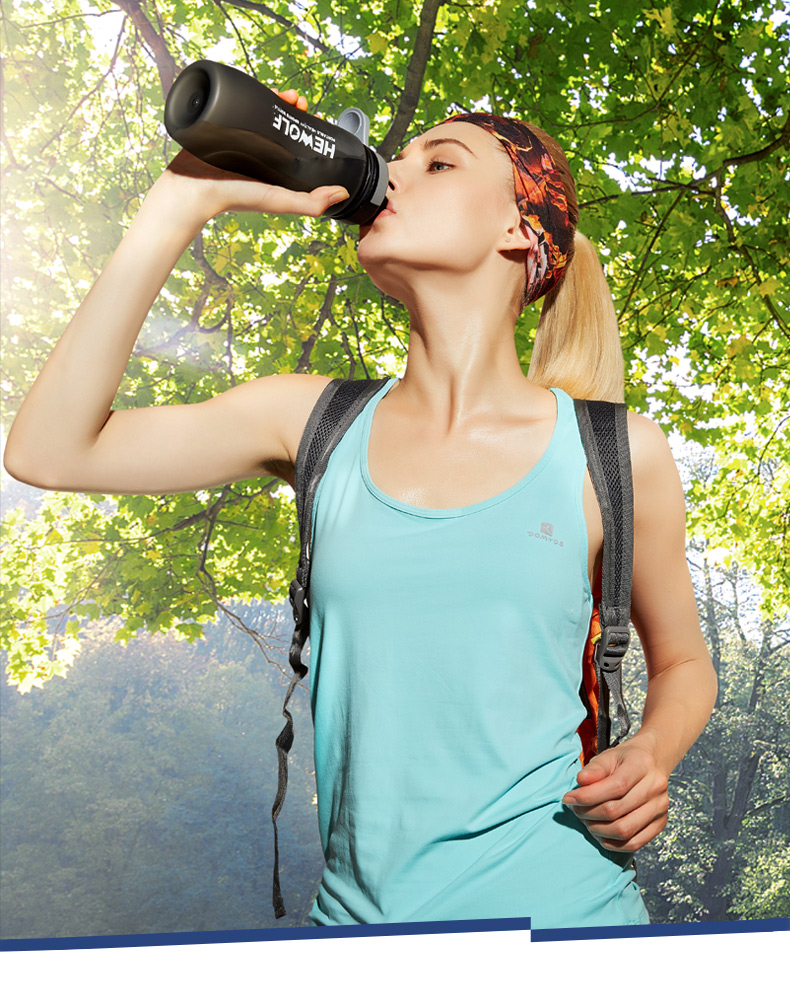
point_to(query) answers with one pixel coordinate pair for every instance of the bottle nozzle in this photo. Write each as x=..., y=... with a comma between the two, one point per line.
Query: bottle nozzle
x=354, y=121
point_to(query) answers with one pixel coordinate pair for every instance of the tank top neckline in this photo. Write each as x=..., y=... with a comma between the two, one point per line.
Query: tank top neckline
x=471, y=508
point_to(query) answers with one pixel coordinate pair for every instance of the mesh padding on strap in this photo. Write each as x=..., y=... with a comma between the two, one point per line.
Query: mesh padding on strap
x=604, y=431
x=611, y=477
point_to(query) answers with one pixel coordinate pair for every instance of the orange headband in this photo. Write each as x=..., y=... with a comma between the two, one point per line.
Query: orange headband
x=540, y=196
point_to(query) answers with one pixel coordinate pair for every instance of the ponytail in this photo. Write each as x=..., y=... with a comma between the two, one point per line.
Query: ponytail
x=577, y=344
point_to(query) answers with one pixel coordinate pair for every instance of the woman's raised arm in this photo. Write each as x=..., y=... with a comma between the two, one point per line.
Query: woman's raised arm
x=66, y=436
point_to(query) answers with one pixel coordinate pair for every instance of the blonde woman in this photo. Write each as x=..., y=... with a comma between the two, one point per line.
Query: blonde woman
x=447, y=627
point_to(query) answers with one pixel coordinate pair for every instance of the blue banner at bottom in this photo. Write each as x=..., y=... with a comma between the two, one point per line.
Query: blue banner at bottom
x=663, y=929
x=253, y=935
x=394, y=929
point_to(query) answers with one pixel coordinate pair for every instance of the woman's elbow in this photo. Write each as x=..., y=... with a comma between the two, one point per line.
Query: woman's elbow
x=20, y=468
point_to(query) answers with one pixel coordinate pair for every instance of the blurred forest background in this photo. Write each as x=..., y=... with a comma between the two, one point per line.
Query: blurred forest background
x=144, y=639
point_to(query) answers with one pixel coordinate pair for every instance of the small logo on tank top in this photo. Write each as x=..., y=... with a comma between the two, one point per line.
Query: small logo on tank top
x=546, y=533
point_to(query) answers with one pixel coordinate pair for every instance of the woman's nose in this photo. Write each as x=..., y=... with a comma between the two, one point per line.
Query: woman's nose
x=393, y=170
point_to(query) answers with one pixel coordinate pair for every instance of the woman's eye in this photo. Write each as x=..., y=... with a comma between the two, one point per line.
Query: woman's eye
x=443, y=163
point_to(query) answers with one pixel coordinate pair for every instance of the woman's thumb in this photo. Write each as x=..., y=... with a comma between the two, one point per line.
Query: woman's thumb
x=336, y=195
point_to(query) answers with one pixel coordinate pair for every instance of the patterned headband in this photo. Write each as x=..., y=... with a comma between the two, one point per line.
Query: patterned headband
x=539, y=194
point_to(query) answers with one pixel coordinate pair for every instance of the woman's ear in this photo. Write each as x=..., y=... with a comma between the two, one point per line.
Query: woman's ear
x=517, y=238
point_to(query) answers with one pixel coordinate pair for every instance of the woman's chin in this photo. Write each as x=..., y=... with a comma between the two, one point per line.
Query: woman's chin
x=369, y=257
x=383, y=283
x=367, y=239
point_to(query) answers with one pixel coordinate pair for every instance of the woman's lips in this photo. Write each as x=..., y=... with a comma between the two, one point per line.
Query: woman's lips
x=387, y=211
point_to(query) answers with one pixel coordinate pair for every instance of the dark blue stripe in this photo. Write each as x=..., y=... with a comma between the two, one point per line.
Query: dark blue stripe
x=665, y=929
x=253, y=935
x=397, y=929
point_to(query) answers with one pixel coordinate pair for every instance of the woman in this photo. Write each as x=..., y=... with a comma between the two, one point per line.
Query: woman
x=445, y=657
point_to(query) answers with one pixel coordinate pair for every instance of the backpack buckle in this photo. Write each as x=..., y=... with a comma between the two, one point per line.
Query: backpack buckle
x=611, y=647
x=298, y=598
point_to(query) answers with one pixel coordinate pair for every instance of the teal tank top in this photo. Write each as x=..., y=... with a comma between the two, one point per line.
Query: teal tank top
x=445, y=665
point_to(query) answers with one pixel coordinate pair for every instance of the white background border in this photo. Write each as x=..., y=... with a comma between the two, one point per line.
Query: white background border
x=473, y=968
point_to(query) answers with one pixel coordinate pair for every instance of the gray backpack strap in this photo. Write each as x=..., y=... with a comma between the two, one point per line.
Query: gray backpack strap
x=337, y=407
x=604, y=431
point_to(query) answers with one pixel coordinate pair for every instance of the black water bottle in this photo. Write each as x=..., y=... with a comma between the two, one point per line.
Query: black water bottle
x=230, y=120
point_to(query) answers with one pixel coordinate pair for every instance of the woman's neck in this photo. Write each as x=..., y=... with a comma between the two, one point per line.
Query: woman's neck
x=462, y=359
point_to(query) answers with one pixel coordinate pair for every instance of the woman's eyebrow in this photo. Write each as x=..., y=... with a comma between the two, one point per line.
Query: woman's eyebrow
x=430, y=144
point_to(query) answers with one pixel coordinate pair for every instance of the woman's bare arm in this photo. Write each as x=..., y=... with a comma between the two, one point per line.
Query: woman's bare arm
x=682, y=683
x=66, y=436
x=623, y=792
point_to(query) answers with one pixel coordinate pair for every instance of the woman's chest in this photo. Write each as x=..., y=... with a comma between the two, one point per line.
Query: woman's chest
x=437, y=473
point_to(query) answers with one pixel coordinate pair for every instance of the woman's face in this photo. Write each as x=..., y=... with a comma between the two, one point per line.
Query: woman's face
x=453, y=199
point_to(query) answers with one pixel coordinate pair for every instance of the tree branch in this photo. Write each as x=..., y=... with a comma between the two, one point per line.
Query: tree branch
x=780, y=802
x=303, y=366
x=414, y=77
x=359, y=341
x=782, y=140
x=643, y=263
x=211, y=278
x=210, y=516
x=274, y=16
x=663, y=187
x=165, y=64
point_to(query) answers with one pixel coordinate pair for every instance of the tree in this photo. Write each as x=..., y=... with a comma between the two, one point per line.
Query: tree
x=724, y=853
x=765, y=883
x=137, y=793
x=675, y=122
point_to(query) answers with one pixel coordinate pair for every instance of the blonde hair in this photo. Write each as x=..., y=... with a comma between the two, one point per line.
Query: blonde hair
x=577, y=344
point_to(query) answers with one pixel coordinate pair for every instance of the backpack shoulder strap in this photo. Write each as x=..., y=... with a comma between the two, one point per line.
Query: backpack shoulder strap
x=337, y=407
x=604, y=432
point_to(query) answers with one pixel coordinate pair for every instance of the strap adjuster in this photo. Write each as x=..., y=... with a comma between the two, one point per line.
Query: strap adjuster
x=298, y=598
x=611, y=647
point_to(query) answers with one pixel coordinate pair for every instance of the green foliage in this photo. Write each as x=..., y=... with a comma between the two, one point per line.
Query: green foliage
x=764, y=890
x=676, y=125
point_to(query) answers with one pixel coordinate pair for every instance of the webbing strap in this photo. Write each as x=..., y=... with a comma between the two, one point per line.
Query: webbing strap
x=604, y=431
x=337, y=407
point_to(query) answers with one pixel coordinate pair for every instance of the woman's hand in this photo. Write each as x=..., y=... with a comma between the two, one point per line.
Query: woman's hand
x=205, y=191
x=622, y=797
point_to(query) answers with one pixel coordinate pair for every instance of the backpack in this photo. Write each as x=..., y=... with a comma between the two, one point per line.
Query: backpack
x=604, y=433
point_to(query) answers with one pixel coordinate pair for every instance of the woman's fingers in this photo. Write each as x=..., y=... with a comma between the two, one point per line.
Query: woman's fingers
x=213, y=190
x=629, y=822
x=293, y=97
x=261, y=198
x=217, y=190
x=636, y=841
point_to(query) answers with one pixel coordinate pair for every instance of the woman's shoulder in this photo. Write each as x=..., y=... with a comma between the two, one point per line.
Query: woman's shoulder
x=644, y=428
x=658, y=491
x=648, y=442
